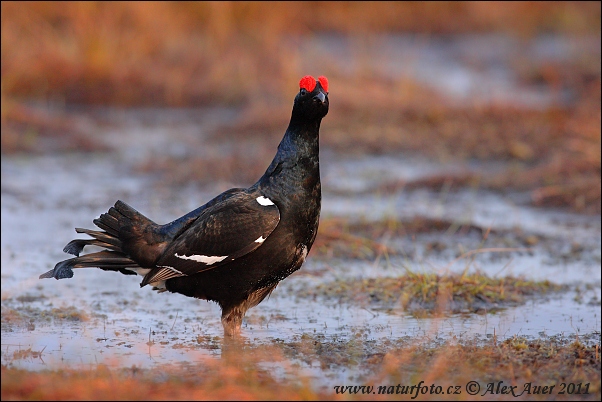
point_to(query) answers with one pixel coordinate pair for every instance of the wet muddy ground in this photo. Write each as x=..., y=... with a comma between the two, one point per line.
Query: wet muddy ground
x=99, y=317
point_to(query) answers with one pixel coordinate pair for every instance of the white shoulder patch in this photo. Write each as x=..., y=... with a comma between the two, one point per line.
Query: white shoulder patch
x=260, y=239
x=205, y=259
x=264, y=201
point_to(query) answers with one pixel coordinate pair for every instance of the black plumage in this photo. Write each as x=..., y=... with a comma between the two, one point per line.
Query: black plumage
x=237, y=247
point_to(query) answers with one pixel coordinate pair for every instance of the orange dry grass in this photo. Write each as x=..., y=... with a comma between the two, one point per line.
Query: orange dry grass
x=232, y=378
x=183, y=53
x=516, y=361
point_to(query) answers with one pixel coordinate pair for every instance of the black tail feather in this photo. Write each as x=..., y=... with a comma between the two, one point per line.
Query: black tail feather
x=123, y=229
x=108, y=223
x=104, y=259
x=108, y=260
x=76, y=246
x=129, y=212
x=101, y=236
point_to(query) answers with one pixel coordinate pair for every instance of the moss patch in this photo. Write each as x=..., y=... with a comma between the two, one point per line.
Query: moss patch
x=426, y=294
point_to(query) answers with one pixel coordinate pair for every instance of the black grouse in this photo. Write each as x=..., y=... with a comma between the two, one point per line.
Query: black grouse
x=237, y=247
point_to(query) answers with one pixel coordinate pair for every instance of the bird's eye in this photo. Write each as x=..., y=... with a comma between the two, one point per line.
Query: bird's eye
x=303, y=91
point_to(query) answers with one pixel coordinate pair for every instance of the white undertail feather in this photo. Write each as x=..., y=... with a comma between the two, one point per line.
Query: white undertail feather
x=140, y=271
x=158, y=285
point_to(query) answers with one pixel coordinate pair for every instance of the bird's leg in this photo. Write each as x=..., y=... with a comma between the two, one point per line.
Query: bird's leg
x=232, y=320
x=232, y=315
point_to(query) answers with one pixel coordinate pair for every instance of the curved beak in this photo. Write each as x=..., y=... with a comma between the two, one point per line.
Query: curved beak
x=320, y=96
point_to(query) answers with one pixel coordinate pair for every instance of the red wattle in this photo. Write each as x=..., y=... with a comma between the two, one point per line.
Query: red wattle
x=308, y=83
x=324, y=82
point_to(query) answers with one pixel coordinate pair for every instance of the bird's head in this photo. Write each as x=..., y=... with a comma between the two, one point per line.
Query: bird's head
x=312, y=100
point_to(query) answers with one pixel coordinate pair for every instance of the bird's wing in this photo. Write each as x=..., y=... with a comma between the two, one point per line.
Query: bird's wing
x=173, y=229
x=223, y=232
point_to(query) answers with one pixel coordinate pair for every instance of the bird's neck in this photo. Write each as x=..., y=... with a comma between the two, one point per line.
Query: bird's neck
x=298, y=149
x=300, y=140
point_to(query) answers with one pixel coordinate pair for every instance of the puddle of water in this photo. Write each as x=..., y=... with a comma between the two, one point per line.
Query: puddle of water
x=123, y=315
x=478, y=207
x=362, y=174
